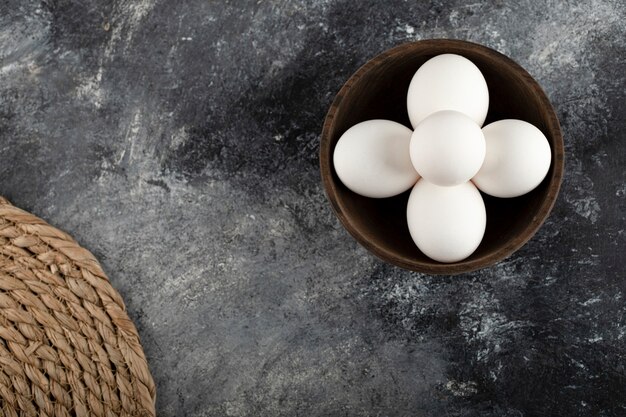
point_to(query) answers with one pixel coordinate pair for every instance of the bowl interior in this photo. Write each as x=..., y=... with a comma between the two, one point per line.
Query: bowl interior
x=378, y=91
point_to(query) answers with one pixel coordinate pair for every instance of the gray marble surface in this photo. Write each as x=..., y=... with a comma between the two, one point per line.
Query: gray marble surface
x=178, y=141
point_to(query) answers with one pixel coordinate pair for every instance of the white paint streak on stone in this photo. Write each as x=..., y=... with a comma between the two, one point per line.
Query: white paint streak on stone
x=22, y=42
x=131, y=13
x=591, y=301
x=462, y=389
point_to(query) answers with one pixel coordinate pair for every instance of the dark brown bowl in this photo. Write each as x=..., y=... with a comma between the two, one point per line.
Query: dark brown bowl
x=378, y=91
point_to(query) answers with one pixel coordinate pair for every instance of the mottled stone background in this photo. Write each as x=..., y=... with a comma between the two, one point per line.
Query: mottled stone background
x=178, y=141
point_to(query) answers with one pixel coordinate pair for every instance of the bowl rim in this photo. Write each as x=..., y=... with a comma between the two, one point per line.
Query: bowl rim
x=434, y=267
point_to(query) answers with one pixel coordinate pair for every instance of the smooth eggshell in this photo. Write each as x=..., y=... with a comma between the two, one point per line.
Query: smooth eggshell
x=447, y=148
x=517, y=160
x=446, y=223
x=448, y=82
x=372, y=159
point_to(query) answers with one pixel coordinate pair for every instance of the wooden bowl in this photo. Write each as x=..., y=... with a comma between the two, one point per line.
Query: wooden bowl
x=378, y=91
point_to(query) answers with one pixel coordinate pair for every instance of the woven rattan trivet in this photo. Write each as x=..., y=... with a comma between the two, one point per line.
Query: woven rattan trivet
x=67, y=346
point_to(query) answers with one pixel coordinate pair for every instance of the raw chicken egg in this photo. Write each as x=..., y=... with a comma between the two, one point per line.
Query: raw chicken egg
x=446, y=223
x=448, y=82
x=447, y=148
x=517, y=159
x=372, y=159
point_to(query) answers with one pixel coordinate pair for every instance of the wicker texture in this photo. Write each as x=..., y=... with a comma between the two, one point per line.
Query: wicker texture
x=67, y=346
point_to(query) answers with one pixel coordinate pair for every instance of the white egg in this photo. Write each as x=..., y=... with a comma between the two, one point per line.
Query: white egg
x=446, y=223
x=372, y=159
x=447, y=148
x=517, y=160
x=448, y=82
